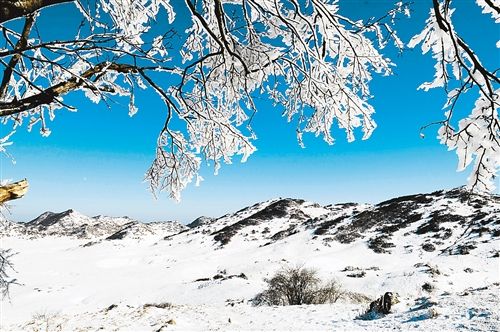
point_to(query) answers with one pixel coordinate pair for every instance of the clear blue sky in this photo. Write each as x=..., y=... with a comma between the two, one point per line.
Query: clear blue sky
x=94, y=161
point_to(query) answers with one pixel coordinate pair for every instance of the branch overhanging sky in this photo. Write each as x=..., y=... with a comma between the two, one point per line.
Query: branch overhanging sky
x=94, y=160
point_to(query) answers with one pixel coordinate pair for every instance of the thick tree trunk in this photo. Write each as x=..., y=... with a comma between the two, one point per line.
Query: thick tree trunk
x=12, y=9
x=13, y=191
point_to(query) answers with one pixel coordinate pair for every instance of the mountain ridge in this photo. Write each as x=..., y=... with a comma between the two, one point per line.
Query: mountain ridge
x=445, y=220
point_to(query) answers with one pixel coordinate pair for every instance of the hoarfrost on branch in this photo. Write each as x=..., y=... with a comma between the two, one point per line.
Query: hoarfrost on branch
x=313, y=62
x=458, y=69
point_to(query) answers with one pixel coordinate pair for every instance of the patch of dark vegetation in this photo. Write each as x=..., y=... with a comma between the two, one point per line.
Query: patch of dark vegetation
x=483, y=230
x=479, y=215
x=360, y=274
x=444, y=233
x=462, y=249
x=429, y=247
x=163, y=305
x=325, y=226
x=285, y=233
x=391, y=228
x=346, y=237
x=278, y=209
x=432, y=270
x=438, y=217
x=386, y=218
x=428, y=287
x=418, y=198
x=353, y=268
x=380, y=245
x=463, y=195
x=232, y=303
x=122, y=233
x=222, y=276
x=169, y=237
x=89, y=244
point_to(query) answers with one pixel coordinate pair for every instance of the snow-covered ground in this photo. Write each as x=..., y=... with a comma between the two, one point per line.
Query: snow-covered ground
x=151, y=282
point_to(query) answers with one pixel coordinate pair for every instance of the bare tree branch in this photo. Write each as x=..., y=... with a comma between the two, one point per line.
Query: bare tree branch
x=12, y=9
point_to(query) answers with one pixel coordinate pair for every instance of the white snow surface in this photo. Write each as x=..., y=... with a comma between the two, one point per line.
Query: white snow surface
x=148, y=281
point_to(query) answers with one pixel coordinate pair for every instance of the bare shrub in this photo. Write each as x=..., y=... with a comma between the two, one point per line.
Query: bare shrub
x=296, y=286
x=5, y=266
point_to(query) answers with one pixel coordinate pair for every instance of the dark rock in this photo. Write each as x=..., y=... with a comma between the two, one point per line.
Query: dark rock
x=381, y=306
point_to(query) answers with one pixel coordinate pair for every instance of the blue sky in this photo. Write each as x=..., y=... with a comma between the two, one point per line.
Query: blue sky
x=94, y=161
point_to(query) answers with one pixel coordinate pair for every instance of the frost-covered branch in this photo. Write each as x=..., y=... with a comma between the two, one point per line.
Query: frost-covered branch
x=315, y=64
x=458, y=70
x=5, y=265
x=312, y=62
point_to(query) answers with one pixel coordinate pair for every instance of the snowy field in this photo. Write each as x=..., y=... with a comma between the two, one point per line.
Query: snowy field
x=67, y=287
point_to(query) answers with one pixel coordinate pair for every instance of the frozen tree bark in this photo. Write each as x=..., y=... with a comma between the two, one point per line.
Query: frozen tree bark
x=13, y=191
x=12, y=9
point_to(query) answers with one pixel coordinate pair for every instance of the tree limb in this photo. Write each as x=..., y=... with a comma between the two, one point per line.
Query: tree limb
x=50, y=94
x=12, y=9
x=13, y=191
x=21, y=43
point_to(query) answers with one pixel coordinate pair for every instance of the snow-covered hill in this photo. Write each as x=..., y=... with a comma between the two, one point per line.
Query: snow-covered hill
x=439, y=251
x=453, y=221
x=71, y=223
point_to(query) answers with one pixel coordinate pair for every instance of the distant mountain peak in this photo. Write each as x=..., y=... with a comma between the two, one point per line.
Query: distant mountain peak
x=203, y=220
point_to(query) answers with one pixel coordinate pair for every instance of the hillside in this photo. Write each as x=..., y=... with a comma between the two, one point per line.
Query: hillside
x=71, y=223
x=438, y=250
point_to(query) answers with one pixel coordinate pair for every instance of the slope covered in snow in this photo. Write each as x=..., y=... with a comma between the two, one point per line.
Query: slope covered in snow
x=71, y=223
x=438, y=251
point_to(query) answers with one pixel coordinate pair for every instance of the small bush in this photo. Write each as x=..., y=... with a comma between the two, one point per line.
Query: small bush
x=296, y=286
